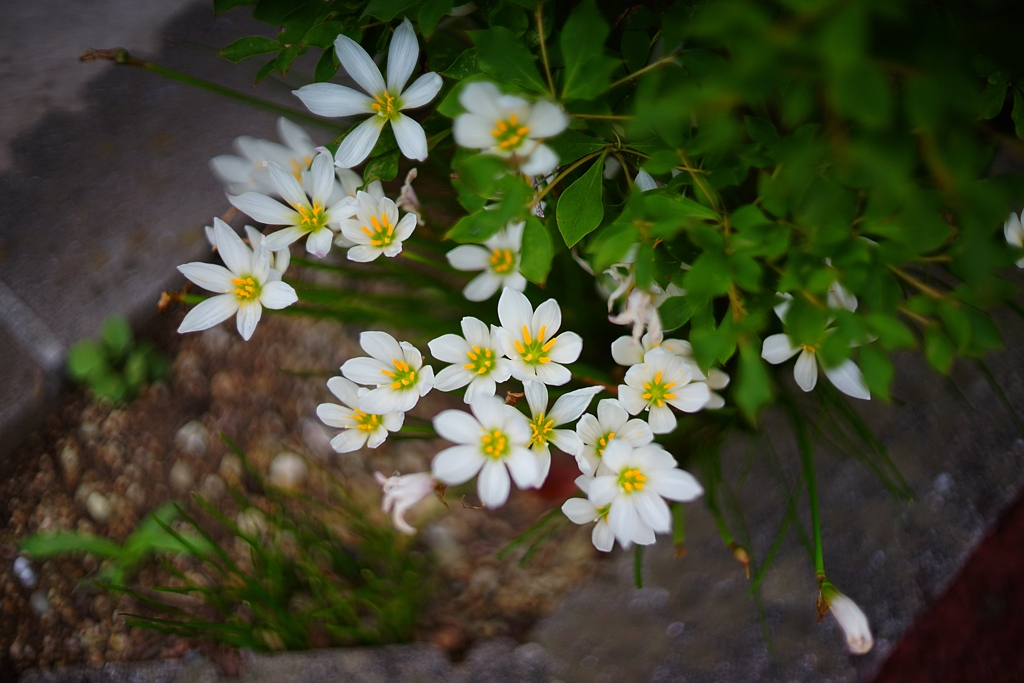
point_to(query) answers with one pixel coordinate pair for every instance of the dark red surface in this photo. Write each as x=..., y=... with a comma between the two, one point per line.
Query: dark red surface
x=975, y=631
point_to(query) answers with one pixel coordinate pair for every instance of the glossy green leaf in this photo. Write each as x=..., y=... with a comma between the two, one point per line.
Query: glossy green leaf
x=249, y=46
x=582, y=42
x=323, y=35
x=430, y=13
x=326, y=66
x=386, y=10
x=538, y=251
x=674, y=312
x=580, y=208
x=84, y=357
x=117, y=335
x=938, y=349
x=753, y=386
x=503, y=56
x=464, y=67
x=571, y=145
x=383, y=167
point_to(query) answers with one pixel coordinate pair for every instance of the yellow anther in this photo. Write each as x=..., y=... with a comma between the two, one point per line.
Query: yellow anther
x=526, y=335
x=632, y=480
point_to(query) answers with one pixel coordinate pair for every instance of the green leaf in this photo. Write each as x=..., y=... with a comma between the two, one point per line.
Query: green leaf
x=760, y=130
x=635, y=46
x=938, y=349
x=266, y=70
x=992, y=99
x=753, y=386
x=692, y=209
x=117, y=335
x=249, y=46
x=580, y=208
x=611, y=245
x=384, y=167
x=110, y=386
x=465, y=65
x=326, y=66
x=877, y=369
x=323, y=35
x=582, y=40
x=862, y=92
x=386, y=10
x=221, y=6
x=571, y=145
x=135, y=368
x=275, y=11
x=709, y=275
x=476, y=227
x=538, y=251
x=674, y=313
x=43, y=546
x=502, y=55
x=85, y=357
x=431, y=12
x=593, y=80
x=510, y=16
x=1018, y=112
x=285, y=58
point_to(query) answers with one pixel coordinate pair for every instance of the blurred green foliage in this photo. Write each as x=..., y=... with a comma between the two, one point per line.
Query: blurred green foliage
x=115, y=366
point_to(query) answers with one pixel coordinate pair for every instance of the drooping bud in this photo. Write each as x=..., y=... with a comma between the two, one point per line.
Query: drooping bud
x=401, y=493
x=850, y=617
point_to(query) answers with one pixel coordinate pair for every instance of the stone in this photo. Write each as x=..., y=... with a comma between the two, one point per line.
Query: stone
x=231, y=469
x=23, y=570
x=98, y=507
x=191, y=438
x=39, y=602
x=136, y=495
x=70, y=463
x=182, y=476
x=288, y=470
x=316, y=438
x=213, y=487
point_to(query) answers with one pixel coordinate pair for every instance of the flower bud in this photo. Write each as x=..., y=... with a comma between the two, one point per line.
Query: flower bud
x=850, y=618
x=401, y=493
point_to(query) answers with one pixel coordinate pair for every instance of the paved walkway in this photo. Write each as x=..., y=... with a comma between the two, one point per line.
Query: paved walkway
x=103, y=176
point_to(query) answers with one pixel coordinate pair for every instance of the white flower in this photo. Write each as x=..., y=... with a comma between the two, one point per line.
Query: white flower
x=582, y=511
x=498, y=258
x=1013, y=230
x=492, y=438
x=401, y=493
x=662, y=380
x=637, y=482
x=528, y=339
x=509, y=126
x=645, y=181
x=640, y=312
x=851, y=619
x=376, y=229
x=244, y=287
x=407, y=197
x=386, y=101
x=395, y=369
x=568, y=408
x=279, y=261
x=358, y=428
x=628, y=351
x=351, y=182
x=300, y=217
x=846, y=377
x=249, y=172
x=478, y=360
x=595, y=433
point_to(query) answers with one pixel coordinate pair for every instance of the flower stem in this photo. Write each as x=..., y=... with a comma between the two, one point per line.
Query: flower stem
x=807, y=458
x=930, y=291
x=640, y=72
x=539, y=15
x=122, y=56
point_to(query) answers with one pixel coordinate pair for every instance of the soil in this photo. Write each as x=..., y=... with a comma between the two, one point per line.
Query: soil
x=975, y=631
x=263, y=395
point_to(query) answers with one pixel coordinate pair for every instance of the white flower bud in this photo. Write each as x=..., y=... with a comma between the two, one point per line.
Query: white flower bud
x=401, y=493
x=851, y=619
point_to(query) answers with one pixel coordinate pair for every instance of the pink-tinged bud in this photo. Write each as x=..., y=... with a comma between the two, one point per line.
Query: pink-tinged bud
x=401, y=493
x=850, y=618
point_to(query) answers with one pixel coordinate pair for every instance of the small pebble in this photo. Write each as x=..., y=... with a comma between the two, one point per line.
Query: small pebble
x=213, y=487
x=251, y=522
x=40, y=603
x=288, y=470
x=316, y=438
x=88, y=432
x=70, y=463
x=182, y=477
x=231, y=468
x=23, y=570
x=98, y=507
x=191, y=438
x=136, y=495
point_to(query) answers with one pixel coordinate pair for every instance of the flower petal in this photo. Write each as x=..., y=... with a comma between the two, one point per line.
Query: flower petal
x=481, y=98
x=346, y=391
x=469, y=257
x=348, y=441
x=676, y=484
x=482, y=287
x=569, y=407
x=319, y=242
x=262, y=208
x=248, y=316
x=277, y=295
x=777, y=349
x=546, y=120
x=617, y=454
x=627, y=351
x=322, y=172
x=805, y=372
x=453, y=377
x=236, y=256
x=653, y=511
x=645, y=181
x=457, y=465
x=458, y=426
x=358, y=143
x=848, y=379
x=330, y=99
x=579, y=510
x=206, y=314
x=384, y=399
x=288, y=186
x=359, y=64
x=403, y=54
x=603, y=490
x=549, y=316
x=422, y=91
x=473, y=131
x=450, y=348
x=661, y=420
x=567, y=441
x=493, y=484
x=410, y=136
x=515, y=312
x=554, y=374
x=536, y=397
x=363, y=254
x=364, y=370
x=525, y=468
x=542, y=160
x=622, y=519
x=691, y=397
x=602, y=537
x=631, y=399
x=567, y=348
x=209, y=276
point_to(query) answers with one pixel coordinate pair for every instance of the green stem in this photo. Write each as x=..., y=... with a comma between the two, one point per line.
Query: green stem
x=640, y=72
x=539, y=16
x=812, y=488
x=122, y=56
x=638, y=566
